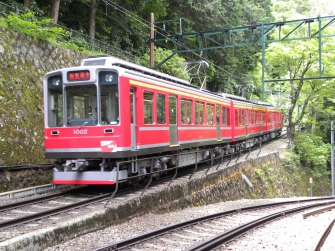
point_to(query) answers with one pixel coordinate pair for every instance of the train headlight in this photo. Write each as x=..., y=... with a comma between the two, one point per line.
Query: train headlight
x=109, y=78
x=56, y=82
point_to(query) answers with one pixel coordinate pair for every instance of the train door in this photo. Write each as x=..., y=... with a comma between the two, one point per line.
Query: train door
x=173, y=126
x=133, y=119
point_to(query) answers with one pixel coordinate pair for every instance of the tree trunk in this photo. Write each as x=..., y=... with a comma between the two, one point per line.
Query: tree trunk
x=93, y=10
x=26, y=3
x=314, y=113
x=55, y=10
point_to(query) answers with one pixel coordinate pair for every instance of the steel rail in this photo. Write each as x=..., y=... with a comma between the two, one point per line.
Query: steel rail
x=324, y=236
x=155, y=233
x=36, y=200
x=317, y=211
x=235, y=232
x=28, y=218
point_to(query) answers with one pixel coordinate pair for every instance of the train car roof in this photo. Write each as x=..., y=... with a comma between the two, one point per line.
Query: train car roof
x=106, y=60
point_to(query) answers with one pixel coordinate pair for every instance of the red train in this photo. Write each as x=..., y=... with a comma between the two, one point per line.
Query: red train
x=108, y=115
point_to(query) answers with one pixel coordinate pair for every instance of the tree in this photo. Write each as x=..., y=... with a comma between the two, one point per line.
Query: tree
x=309, y=99
x=232, y=65
x=172, y=67
x=93, y=10
x=299, y=60
x=55, y=10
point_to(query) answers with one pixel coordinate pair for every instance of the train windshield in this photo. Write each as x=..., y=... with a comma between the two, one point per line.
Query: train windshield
x=81, y=105
x=84, y=105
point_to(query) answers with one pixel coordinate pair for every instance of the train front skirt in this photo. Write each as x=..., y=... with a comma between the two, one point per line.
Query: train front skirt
x=88, y=177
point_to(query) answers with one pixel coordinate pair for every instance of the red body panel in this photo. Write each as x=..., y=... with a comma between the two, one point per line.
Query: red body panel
x=132, y=135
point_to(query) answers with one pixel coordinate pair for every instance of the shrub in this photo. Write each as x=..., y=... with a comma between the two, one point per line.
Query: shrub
x=28, y=24
x=312, y=151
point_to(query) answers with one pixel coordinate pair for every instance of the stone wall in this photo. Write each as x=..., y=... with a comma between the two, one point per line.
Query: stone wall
x=23, y=62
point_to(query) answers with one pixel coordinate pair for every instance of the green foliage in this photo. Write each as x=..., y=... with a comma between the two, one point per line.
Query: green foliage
x=172, y=67
x=27, y=23
x=312, y=151
x=291, y=161
x=260, y=173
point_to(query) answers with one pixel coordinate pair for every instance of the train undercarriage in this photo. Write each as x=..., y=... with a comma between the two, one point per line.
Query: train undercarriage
x=106, y=171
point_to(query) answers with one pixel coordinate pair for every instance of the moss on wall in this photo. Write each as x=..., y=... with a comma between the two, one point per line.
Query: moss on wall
x=23, y=63
x=14, y=180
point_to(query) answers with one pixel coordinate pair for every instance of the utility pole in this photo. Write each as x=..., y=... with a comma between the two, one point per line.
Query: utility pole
x=152, y=44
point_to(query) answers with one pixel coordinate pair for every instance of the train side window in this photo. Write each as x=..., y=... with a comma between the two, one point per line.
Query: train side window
x=189, y=111
x=160, y=107
x=224, y=115
x=172, y=109
x=244, y=117
x=183, y=111
x=148, y=107
x=210, y=114
x=186, y=109
x=218, y=118
x=237, y=113
x=263, y=117
x=199, y=113
x=228, y=116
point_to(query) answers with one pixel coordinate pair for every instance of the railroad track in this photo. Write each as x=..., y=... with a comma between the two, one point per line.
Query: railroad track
x=18, y=219
x=43, y=211
x=213, y=231
x=40, y=212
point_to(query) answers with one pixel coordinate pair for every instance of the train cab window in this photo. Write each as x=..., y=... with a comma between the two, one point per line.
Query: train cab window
x=218, y=118
x=172, y=109
x=160, y=107
x=210, y=114
x=109, y=98
x=55, y=101
x=186, y=111
x=81, y=105
x=148, y=107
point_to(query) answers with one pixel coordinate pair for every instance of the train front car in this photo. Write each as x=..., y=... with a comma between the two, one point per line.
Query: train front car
x=82, y=123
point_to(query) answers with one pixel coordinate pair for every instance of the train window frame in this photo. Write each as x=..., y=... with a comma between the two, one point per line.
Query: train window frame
x=210, y=114
x=173, y=109
x=244, y=117
x=237, y=117
x=217, y=115
x=148, y=107
x=228, y=116
x=224, y=115
x=186, y=111
x=199, y=112
x=161, y=108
